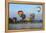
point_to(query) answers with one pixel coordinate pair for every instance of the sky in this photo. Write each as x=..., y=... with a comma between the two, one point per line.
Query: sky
x=26, y=8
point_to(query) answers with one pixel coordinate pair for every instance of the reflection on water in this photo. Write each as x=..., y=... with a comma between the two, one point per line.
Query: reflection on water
x=25, y=26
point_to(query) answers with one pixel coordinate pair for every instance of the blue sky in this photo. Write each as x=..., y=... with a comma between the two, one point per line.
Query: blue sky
x=27, y=9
